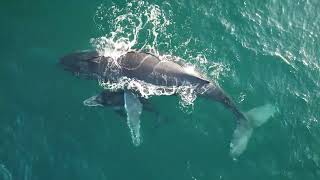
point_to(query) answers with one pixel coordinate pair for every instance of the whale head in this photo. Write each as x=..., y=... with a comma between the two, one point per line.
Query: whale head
x=87, y=64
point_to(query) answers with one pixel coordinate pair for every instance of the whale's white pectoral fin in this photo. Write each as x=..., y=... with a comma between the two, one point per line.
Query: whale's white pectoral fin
x=133, y=108
x=93, y=101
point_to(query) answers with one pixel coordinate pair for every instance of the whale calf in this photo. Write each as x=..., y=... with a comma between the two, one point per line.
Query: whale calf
x=148, y=68
x=114, y=99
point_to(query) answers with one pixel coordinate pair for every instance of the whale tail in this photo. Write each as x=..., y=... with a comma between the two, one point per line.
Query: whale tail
x=245, y=126
x=246, y=122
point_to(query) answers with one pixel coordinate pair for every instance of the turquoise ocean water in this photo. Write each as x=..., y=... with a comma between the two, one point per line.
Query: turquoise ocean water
x=258, y=51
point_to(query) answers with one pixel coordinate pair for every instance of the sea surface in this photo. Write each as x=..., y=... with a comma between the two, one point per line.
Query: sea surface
x=259, y=52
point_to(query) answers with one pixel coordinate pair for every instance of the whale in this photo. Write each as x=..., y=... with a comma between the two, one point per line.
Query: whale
x=114, y=99
x=150, y=69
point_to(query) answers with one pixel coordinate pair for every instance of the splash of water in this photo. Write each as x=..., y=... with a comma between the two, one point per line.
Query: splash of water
x=141, y=26
x=135, y=21
x=146, y=90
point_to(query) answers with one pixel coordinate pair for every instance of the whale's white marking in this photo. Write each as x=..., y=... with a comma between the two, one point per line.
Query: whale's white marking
x=133, y=108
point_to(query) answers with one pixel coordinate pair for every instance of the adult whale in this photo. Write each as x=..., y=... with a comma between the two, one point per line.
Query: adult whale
x=148, y=68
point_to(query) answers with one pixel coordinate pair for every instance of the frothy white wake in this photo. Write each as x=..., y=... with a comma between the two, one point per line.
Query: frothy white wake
x=138, y=26
x=146, y=90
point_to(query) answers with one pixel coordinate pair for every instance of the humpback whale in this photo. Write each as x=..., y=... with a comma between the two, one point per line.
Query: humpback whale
x=149, y=68
x=116, y=102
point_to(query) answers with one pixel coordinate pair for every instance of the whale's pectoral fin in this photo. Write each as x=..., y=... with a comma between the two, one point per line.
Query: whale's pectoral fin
x=133, y=108
x=93, y=101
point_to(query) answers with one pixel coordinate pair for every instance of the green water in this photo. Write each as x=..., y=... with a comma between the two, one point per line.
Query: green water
x=258, y=51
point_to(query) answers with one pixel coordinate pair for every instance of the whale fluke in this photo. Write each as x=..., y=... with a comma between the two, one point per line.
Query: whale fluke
x=253, y=118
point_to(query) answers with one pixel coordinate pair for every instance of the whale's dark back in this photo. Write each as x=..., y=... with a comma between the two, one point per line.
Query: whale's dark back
x=151, y=69
x=137, y=65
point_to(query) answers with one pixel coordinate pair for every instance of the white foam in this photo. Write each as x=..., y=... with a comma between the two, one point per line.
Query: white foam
x=137, y=19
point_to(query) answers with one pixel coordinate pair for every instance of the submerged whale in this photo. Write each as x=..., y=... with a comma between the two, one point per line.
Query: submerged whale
x=115, y=100
x=148, y=68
